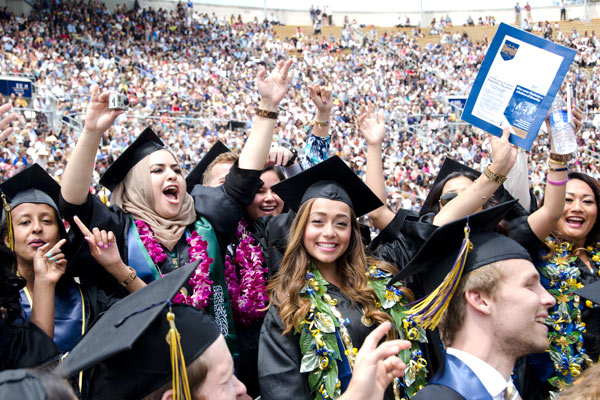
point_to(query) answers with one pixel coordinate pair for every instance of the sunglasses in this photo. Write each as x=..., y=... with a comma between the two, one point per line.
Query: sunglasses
x=446, y=197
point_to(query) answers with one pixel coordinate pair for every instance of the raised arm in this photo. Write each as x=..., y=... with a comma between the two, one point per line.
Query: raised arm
x=272, y=90
x=77, y=177
x=475, y=196
x=321, y=97
x=48, y=266
x=5, y=128
x=544, y=219
x=372, y=128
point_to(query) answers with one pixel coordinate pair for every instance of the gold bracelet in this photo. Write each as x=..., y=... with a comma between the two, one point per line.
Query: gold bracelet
x=130, y=278
x=551, y=168
x=494, y=177
x=320, y=123
x=266, y=113
x=560, y=158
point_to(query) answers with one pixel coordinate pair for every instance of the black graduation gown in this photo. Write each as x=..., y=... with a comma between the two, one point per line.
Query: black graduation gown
x=24, y=345
x=279, y=356
x=223, y=206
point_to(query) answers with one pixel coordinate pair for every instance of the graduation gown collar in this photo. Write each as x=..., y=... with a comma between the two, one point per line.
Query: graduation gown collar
x=459, y=377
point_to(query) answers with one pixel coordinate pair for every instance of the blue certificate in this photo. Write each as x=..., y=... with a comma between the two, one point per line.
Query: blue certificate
x=518, y=80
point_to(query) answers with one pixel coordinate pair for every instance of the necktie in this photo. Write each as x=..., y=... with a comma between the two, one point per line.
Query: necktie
x=510, y=393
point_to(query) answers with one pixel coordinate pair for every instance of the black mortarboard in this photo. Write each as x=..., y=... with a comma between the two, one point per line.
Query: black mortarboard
x=444, y=260
x=590, y=292
x=21, y=384
x=129, y=340
x=196, y=175
x=33, y=185
x=143, y=145
x=331, y=179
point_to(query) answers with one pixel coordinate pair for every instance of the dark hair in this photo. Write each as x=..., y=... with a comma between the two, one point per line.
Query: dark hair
x=595, y=186
x=10, y=284
x=433, y=199
x=275, y=169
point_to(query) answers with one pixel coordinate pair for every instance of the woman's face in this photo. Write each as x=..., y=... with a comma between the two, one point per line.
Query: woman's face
x=454, y=186
x=580, y=212
x=168, y=185
x=34, y=225
x=266, y=202
x=328, y=231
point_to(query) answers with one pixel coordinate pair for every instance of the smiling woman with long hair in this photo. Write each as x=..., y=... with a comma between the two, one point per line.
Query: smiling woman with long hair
x=327, y=294
x=572, y=261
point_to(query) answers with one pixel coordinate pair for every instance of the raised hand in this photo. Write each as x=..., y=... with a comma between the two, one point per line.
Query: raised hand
x=321, y=96
x=98, y=117
x=272, y=88
x=5, y=128
x=371, y=126
x=376, y=366
x=504, y=154
x=49, y=264
x=279, y=156
x=102, y=246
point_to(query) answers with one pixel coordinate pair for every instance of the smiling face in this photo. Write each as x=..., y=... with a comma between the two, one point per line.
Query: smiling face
x=34, y=225
x=519, y=309
x=168, y=185
x=328, y=231
x=579, y=214
x=266, y=202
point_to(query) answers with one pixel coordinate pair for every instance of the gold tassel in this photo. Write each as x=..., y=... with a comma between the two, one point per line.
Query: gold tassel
x=9, y=225
x=429, y=311
x=180, y=378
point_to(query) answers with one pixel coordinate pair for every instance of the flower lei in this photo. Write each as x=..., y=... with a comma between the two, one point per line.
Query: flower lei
x=200, y=283
x=248, y=294
x=393, y=301
x=319, y=345
x=565, y=325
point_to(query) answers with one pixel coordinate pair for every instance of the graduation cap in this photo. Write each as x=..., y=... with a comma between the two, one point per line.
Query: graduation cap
x=331, y=179
x=453, y=250
x=32, y=185
x=21, y=384
x=143, y=145
x=128, y=341
x=196, y=175
x=590, y=292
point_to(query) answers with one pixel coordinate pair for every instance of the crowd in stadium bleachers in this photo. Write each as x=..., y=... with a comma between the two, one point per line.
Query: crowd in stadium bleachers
x=191, y=77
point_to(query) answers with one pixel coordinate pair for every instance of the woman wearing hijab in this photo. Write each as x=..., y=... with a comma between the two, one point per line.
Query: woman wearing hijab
x=157, y=225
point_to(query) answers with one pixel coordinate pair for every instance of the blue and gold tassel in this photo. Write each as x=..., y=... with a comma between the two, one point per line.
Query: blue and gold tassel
x=181, y=387
x=429, y=311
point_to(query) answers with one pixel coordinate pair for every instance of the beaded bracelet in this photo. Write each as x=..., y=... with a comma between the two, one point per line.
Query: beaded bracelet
x=266, y=113
x=557, y=183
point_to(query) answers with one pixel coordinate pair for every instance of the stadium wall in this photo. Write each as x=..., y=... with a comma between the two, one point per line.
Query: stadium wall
x=388, y=18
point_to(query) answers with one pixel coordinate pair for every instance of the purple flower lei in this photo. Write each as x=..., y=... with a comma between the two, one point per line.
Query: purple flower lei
x=201, y=285
x=248, y=294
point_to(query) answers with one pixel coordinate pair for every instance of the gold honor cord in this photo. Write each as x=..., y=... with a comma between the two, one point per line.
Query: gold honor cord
x=9, y=225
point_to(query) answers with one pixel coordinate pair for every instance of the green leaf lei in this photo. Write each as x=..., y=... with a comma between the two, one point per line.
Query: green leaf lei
x=319, y=345
x=562, y=278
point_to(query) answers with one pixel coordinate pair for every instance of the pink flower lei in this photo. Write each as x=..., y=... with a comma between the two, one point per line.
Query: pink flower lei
x=248, y=294
x=201, y=285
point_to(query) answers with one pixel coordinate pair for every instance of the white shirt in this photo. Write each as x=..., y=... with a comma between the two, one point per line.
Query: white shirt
x=491, y=379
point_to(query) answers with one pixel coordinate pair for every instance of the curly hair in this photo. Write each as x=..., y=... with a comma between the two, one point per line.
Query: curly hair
x=284, y=288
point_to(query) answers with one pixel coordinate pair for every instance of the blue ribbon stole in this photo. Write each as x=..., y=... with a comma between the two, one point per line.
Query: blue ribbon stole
x=344, y=371
x=459, y=377
x=138, y=257
x=68, y=315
